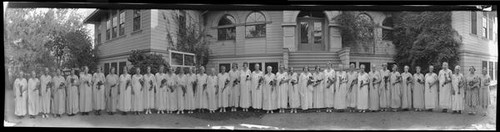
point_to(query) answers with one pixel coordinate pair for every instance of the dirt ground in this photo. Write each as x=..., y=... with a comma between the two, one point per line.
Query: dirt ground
x=259, y=120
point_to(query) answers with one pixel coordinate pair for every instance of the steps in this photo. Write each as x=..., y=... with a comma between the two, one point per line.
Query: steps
x=298, y=60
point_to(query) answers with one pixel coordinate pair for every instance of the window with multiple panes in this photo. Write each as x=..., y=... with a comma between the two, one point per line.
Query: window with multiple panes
x=484, y=66
x=485, y=27
x=227, y=67
x=98, y=30
x=122, y=23
x=115, y=24
x=491, y=22
x=473, y=16
x=274, y=65
x=137, y=20
x=255, y=25
x=311, y=27
x=496, y=70
x=227, y=28
x=113, y=65
x=251, y=66
x=367, y=66
x=108, y=29
x=490, y=69
x=122, y=65
x=106, y=68
x=387, y=27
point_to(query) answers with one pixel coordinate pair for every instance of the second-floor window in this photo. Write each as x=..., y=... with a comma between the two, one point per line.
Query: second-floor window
x=227, y=29
x=473, y=26
x=98, y=38
x=485, y=27
x=387, y=27
x=137, y=20
x=122, y=23
x=182, y=23
x=108, y=29
x=115, y=24
x=255, y=25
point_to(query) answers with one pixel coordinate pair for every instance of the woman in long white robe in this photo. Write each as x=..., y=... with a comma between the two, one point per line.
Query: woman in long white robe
x=112, y=82
x=395, y=80
x=484, y=91
x=472, y=94
x=245, y=84
x=257, y=81
x=86, y=91
x=212, y=91
x=352, y=88
x=267, y=90
x=98, y=91
x=340, y=94
x=329, y=91
x=293, y=96
x=137, y=92
x=385, y=88
x=305, y=89
x=20, y=92
x=149, y=91
x=46, y=91
x=172, y=91
x=282, y=89
x=33, y=95
x=201, y=101
x=431, y=84
x=375, y=80
x=224, y=90
x=181, y=86
x=161, y=91
x=445, y=88
x=125, y=92
x=318, y=76
x=457, y=84
x=191, y=84
x=234, y=76
x=418, y=90
x=363, y=86
x=72, y=90
x=59, y=94
x=407, y=88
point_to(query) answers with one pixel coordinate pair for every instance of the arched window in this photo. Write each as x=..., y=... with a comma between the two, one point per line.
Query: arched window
x=255, y=25
x=227, y=29
x=387, y=26
x=362, y=22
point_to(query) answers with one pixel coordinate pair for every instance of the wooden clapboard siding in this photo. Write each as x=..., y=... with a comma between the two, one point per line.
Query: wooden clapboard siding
x=274, y=32
x=131, y=40
x=461, y=21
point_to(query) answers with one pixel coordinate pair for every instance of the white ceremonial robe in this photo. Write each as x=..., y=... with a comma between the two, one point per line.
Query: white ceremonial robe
x=201, y=99
x=430, y=91
x=329, y=91
x=59, y=102
x=385, y=89
x=181, y=91
x=282, y=90
x=46, y=92
x=306, y=91
x=234, y=77
x=172, y=90
x=294, y=89
x=137, y=93
x=257, y=89
x=318, y=90
x=33, y=96
x=395, y=90
x=111, y=96
x=363, y=86
x=267, y=92
x=445, y=89
x=224, y=90
x=73, y=95
x=98, y=91
x=352, y=89
x=21, y=96
x=85, y=93
x=189, y=98
x=341, y=94
x=418, y=91
x=458, y=91
x=161, y=91
x=245, y=85
x=375, y=81
x=125, y=101
x=406, y=89
x=211, y=92
x=148, y=94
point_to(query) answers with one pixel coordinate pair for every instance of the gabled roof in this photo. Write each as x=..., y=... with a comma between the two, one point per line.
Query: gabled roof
x=95, y=16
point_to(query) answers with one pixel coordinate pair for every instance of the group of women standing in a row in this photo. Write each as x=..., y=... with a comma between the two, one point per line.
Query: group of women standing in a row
x=167, y=92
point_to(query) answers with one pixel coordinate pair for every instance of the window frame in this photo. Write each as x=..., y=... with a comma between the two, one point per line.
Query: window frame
x=484, y=27
x=221, y=28
x=108, y=29
x=310, y=32
x=228, y=67
x=136, y=20
x=255, y=24
x=387, y=28
x=121, y=24
x=114, y=24
x=120, y=67
x=474, y=22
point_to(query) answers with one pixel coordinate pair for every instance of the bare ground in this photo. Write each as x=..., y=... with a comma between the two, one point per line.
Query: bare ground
x=259, y=120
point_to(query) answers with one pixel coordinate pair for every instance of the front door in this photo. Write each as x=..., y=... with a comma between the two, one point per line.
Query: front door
x=311, y=32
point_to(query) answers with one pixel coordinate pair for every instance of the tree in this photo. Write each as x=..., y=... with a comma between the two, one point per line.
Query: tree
x=30, y=33
x=190, y=37
x=141, y=59
x=425, y=38
x=356, y=30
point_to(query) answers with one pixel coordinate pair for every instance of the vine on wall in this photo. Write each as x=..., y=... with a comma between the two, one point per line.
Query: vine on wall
x=357, y=30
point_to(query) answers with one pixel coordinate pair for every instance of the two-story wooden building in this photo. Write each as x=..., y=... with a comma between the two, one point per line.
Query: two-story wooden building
x=272, y=38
